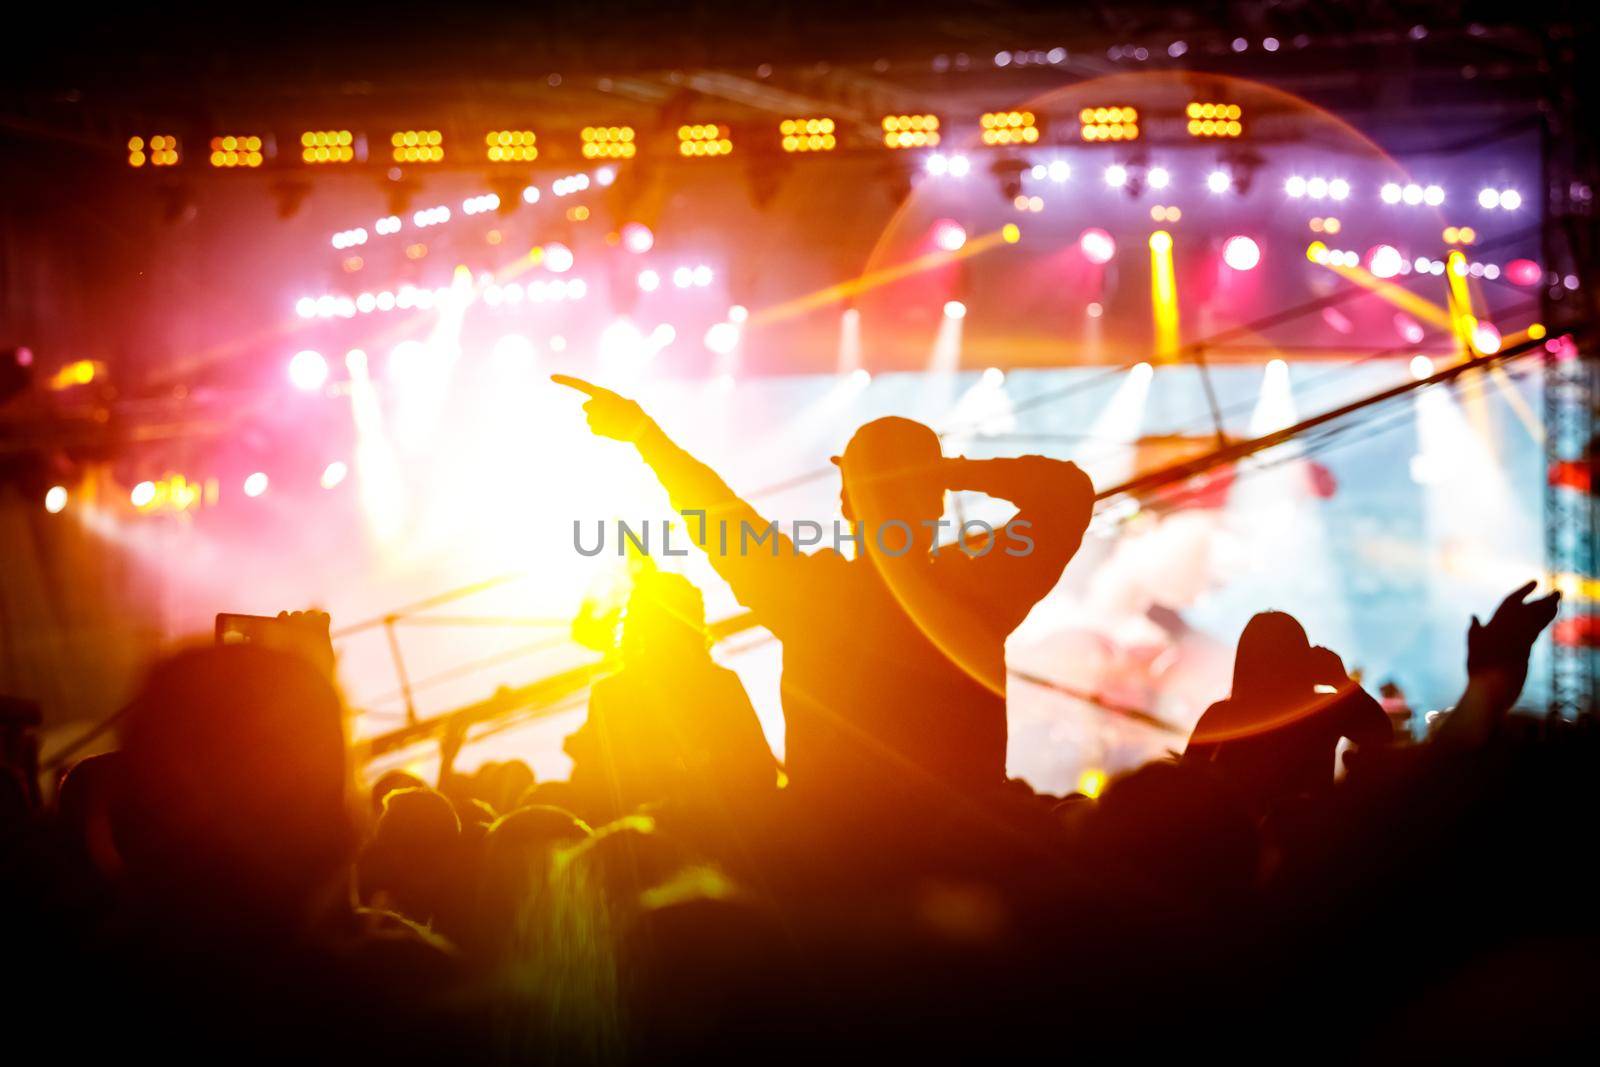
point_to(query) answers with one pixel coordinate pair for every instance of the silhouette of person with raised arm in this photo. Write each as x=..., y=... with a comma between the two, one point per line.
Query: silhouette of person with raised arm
x=671, y=725
x=894, y=661
x=1277, y=733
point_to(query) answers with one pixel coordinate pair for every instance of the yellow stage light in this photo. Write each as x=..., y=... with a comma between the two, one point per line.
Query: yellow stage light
x=704, y=139
x=510, y=146
x=236, y=150
x=808, y=135
x=1109, y=124
x=160, y=150
x=328, y=146
x=609, y=142
x=910, y=131
x=1215, y=120
x=417, y=146
x=1009, y=127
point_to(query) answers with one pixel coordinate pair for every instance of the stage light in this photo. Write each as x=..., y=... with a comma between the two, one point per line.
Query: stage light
x=949, y=235
x=1215, y=120
x=143, y=494
x=808, y=135
x=649, y=281
x=1486, y=338
x=1241, y=253
x=255, y=484
x=1219, y=181
x=1339, y=189
x=1509, y=199
x=955, y=309
x=1275, y=407
x=1165, y=213
x=1158, y=177
x=722, y=338
x=1108, y=124
x=910, y=131
x=1116, y=175
x=1385, y=261
x=387, y=225
x=1390, y=193
x=334, y=473
x=159, y=151
x=860, y=377
x=478, y=205
x=55, y=499
x=704, y=139
x=1163, y=295
x=430, y=216
x=1295, y=187
x=637, y=238
x=1524, y=272
x=511, y=146
x=738, y=313
x=622, y=344
x=308, y=370
x=417, y=146
x=1411, y=194
x=1011, y=233
x=1421, y=367
x=327, y=146
x=938, y=165
x=558, y=258
x=1433, y=195
x=1009, y=127
x=609, y=142
x=236, y=151
x=1097, y=245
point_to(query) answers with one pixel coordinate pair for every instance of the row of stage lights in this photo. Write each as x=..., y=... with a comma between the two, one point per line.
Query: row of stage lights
x=1114, y=123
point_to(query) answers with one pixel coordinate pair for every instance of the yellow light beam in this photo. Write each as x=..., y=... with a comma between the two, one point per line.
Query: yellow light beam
x=1163, y=296
x=846, y=290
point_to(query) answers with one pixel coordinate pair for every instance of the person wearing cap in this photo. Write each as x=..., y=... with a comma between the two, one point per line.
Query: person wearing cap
x=894, y=661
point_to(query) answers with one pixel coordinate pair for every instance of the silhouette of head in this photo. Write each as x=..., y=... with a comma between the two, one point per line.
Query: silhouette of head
x=666, y=618
x=413, y=847
x=1272, y=658
x=890, y=471
x=234, y=779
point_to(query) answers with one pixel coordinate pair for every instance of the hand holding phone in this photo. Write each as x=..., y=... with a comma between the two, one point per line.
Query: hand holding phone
x=300, y=633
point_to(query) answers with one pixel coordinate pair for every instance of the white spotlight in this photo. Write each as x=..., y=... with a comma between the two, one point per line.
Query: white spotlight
x=308, y=370
x=955, y=309
x=55, y=499
x=1116, y=175
x=334, y=473
x=1159, y=177
x=722, y=338
x=1219, y=181
x=255, y=484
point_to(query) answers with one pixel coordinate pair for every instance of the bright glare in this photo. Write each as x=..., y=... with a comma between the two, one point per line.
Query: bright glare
x=637, y=238
x=308, y=370
x=142, y=494
x=1421, y=367
x=1385, y=261
x=722, y=338
x=955, y=309
x=255, y=484
x=1161, y=241
x=1159, y=177
x=558, y=257
x=55, y=499
x=649, y=281
x=1116, y=175
x=1241, y=253
x=334, y=473
x=1097, y=245
x=1219, y=181
x=949, y=235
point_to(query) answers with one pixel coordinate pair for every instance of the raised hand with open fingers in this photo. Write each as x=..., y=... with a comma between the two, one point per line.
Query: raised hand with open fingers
x=1504, y=642
x=610, y=414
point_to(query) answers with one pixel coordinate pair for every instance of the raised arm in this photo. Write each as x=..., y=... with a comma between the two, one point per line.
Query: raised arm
x=1497, y=665
x=747, y=550
x=1054, y=499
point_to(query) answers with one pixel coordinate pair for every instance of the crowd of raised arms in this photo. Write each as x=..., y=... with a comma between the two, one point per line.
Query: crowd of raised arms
x=1301, y=881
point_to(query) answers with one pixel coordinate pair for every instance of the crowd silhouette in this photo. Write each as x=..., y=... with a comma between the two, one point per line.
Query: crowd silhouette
x=1302, y=880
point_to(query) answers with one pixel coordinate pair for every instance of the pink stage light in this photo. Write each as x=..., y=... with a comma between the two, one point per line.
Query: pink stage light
x=1097, y=245
x=308, y=370
x=1523, y=272
x=949, y=235
x=1241, y=253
